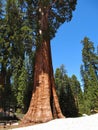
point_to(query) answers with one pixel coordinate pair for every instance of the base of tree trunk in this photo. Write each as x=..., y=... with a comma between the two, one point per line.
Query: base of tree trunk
x=44, y=105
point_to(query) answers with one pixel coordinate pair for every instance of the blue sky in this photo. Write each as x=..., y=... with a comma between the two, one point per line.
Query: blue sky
x=66, y=46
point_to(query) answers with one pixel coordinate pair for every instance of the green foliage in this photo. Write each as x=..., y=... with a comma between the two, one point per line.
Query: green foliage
x=77, y=92
x=57, y=12
x=66, y=93
x=89, y=72
x=22, y=87
x=59, y=78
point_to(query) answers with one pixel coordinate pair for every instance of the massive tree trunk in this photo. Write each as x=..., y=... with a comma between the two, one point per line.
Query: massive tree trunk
x=44, y=104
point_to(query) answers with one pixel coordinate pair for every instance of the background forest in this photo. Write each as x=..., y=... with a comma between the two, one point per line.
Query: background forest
x=17, y=56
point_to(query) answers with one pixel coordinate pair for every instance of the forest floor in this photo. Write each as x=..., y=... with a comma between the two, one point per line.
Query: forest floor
x=79, y=123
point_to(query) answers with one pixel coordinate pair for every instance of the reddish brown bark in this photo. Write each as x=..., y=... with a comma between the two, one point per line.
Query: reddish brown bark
x=44, y=104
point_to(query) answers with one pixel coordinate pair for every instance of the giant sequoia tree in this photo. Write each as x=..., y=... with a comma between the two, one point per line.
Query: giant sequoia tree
x=47, y=16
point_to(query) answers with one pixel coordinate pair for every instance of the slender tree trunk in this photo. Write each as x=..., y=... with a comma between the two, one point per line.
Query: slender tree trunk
x=44, y=104
x=2, y=87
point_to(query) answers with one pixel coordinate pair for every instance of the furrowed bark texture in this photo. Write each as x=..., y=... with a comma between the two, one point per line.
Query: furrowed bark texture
x=44, y=104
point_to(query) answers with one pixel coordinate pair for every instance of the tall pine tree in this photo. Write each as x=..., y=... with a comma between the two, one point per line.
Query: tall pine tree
x=89, y=71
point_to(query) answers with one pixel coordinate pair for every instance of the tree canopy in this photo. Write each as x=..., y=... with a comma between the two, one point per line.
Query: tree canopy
x=55, y=11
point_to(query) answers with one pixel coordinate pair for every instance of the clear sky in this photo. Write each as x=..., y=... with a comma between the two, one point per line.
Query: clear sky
x=66, y=46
